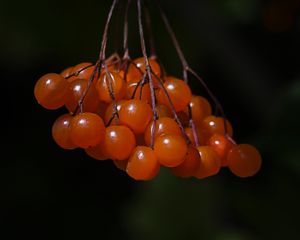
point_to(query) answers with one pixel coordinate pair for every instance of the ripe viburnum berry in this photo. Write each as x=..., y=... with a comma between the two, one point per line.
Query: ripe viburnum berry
x=50, y=91
x=87, y=130
x=244, y=160
x=132, y=113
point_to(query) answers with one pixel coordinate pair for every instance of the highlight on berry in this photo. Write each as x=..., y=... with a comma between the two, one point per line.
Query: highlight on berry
x=132, y=112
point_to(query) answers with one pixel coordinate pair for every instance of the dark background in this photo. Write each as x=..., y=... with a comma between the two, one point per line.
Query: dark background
x=246, y=50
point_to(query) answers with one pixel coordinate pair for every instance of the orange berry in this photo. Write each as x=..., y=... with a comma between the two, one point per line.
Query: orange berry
x=137, y=70
x=87, y=130
x=190, y=134
x=210, y=162
x=109, y=112
x=66, y=72
x=135, y=114
x=50, y=91
x=163, y=111
x=244, y=160
x=179, y=92
x=200, y=108
x=122, y=165
x=214, y=125
x=98, y=152
x=61, y=132
x=164, y=125
x=117, y=84
x=119, y=142
x=170, y=149
x=188, y=167
x=221, y=145
x=138, y=92
x=142, y=164
x=78, y=69
x=74, y=93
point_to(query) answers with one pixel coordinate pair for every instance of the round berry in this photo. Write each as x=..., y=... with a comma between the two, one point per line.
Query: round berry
x=244, y=160
x=87, y=130
x=97, y=152
x=210, y=162
x=75, y=91
x=142, y=164
x=221, y=145
x=114, y=81
x=200, y=108
x=119, y=142
x=163, y=125
x=61, y=132
x=50, y=91
x=170, y=149
x=179, y=92
x=188, y=167
x=135, y=114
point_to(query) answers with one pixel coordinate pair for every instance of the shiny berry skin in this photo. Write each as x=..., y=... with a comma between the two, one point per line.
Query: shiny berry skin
x=109, y=112
x=142, y=164
x=164, y=125
x=210, y=162
x=190, y=134
x=200, y=108
x=163, y=111
x=179, y=92
x=135, y=114
x=74, y=93
x=66, y=72
x=119, y=142
x=122, y=165
x=87, y=130
x=188, y=167
x=134, y=72
x=244, y=160
x=97, y=152
x=87, y=72
x=214, y=125
x=61, y=132
x=142, y=93
x=221, y=145
x=170, y=149
x=78, y=72
x=50, y=91
x=118, y=87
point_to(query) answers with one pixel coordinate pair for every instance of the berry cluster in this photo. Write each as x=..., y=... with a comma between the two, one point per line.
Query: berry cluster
x=142, y=121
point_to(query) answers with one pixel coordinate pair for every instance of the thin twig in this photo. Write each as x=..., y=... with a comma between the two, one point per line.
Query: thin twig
x=179, y=123
x=187, y=69
x=148, y=70
x=150, y=31
x=101, y=57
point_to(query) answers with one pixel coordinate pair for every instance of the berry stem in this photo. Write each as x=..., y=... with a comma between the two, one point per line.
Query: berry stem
x=148, y=70
x=140, y=84
x=153, y=54
x=172, y=108
x=175, y=43
x=193, y=127
x=125, y=42
x=101, y=58
x=187, y=69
